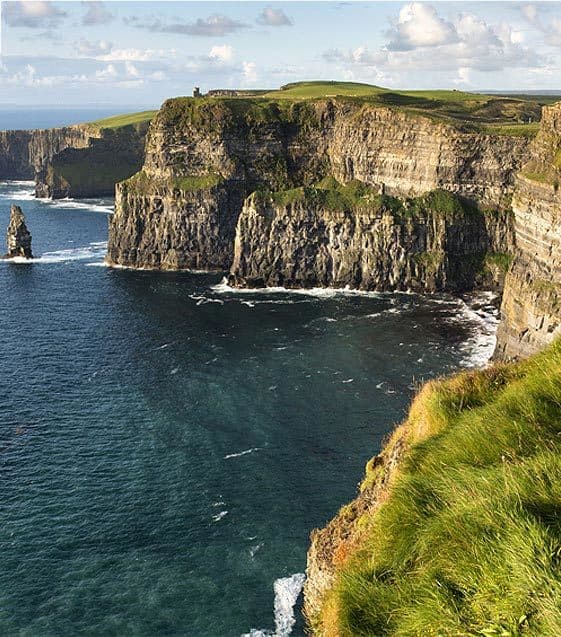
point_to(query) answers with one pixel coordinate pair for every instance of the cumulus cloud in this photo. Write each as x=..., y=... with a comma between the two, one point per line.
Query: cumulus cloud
x=223, y=52
x=33, y=14
x=274, y=18
x=84, y=48
x=421, y=40
x=216, y=25
x=419, y=25
x=96, y=13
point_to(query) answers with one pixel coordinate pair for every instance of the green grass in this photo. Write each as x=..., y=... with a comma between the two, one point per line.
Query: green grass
x=499, y=260
x=468, y=540
x=307, y=90
x=197, y=182
x=514, y=130
x=118, y=121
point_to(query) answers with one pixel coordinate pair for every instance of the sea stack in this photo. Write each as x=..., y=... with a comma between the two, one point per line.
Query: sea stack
x=18, y=237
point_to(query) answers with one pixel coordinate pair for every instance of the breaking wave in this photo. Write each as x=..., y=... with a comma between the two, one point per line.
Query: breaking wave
x=287, y=591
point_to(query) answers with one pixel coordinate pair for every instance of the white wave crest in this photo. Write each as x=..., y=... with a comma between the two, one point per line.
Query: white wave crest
x=480, y=310
x=323, y=293
x=93, y=250
x=287, y=590
x=242, y=453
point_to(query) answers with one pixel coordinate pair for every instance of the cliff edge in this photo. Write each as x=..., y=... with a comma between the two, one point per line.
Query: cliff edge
x=456, y=528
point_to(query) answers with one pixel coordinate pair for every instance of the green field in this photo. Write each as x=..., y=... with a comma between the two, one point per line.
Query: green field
x=117, y=121
x=468, y=538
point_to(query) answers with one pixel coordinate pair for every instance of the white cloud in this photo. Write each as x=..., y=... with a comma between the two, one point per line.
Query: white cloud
x=249, y=72
x=109, y=72
x=31, y=13
x=96, y=13
x=85, y=48
x=131, y=69
x=419, y=25
x=223, y=53
x=422, y=41
x=136, y=55
x=274, y=18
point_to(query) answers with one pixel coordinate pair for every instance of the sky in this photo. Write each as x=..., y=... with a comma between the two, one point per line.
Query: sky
x=140, y=53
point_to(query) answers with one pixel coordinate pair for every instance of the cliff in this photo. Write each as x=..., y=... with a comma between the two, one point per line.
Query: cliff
x=337, y=236
x=23, y=153
x=92, y=169
x=456, y=527
x=531, y=307
x=204, y=152
x=85, y=160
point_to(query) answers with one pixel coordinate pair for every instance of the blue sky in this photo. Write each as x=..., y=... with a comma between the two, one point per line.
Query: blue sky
x=125, y=53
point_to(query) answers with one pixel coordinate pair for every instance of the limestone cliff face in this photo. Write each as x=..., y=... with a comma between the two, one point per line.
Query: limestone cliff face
x=73, y=161
x=245, y=145
x=93, y=168
x=23, y=153
x=531, y=307
x=377, y=245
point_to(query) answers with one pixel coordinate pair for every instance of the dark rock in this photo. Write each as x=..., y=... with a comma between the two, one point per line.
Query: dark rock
x=18, y=237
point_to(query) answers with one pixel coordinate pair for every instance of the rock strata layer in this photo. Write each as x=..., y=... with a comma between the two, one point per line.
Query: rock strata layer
x=18, y=237
x=531, y=306
x=73, y=161
x=433, y=243
x=204, y=157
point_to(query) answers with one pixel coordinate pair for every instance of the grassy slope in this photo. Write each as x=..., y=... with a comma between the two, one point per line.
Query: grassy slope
x=490, y=113
x=468, y=541
x=117, y=121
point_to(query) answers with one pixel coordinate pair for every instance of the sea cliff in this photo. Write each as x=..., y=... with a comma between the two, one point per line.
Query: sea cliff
x=531, y=308
x=84, y=160
x=205, y=158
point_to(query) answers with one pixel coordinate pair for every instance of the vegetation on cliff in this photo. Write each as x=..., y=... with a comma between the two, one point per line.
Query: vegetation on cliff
x=465, y=537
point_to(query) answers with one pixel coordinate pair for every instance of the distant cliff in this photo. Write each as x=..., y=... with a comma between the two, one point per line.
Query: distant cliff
x=84, y=160
x=23, y=153
x=531, y=307
x=205, y=157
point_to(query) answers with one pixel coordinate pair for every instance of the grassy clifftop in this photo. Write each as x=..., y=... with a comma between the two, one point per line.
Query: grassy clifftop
x=128, y=119
x=466, y=537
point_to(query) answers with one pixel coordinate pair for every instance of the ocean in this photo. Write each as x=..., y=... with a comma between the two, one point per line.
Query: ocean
x=167, y=443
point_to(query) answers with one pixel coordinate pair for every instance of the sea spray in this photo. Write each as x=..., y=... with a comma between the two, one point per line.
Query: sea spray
x=287, y=590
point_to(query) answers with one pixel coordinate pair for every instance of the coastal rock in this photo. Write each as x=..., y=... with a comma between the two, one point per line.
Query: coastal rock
x=18, y=238
x=434, y=243
x=241, y=146
x=73, y=161
x=531, y=305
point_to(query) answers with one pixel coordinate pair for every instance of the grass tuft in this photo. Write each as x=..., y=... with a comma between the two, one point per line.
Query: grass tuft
x=468, y=538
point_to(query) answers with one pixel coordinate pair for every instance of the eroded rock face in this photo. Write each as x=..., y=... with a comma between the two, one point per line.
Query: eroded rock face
x=18, y=237
x=302, y=244
x=531, y=306
x=280, y=146
x=23, y=153
x=73, y=161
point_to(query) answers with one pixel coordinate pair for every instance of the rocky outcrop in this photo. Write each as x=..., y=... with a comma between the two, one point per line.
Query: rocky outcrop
x=241, y=146
x=432, y=243
x=531, y=306
x=18, y=238
x=23, y=153
x=92, y=170
x=74, y=161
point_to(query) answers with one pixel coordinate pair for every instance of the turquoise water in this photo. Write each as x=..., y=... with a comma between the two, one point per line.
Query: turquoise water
x=167, y=445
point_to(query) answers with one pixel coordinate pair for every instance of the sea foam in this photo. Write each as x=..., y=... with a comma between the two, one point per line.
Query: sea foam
x=287, y=590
